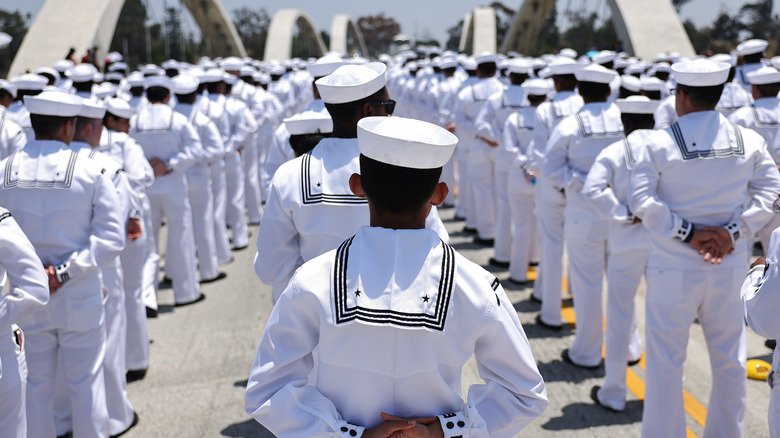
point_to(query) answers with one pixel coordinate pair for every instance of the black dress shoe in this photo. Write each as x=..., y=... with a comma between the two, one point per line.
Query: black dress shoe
x=469, y=230
x=535, y=299
x=567, y=359
x=196, y=300
x=634, y=362
x=135, y=375
x=484, y=242
x=459, y=218
x=219, y=276
x=66, y=435
x=594, y=395
x=239, y=248
x=771, y=343
x=151, y=313
x=524, y=283
x=132, y=425
x=498, y=263
x=533, y=263
x=556, y=328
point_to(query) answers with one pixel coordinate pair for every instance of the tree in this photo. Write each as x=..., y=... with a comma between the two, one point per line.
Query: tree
x=453, y=37
x=15, y=25
x=378, y=32
x=130, y=36
x=252, y=27
x=549, y=40
x=678, y=4
x=758, y=20
x=504, y=18
x=587, y=34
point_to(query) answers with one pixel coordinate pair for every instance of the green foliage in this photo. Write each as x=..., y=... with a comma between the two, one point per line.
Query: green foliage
x=453, y=37
x=14, y=24
x=587, y=33
x=130, y=36
x=252, y=27
x=378, y=32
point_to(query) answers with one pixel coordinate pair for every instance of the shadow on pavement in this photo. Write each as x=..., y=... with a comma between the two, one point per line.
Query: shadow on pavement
x=587, y=415
x=560, y=371
x=241, y=383
x=247, y=429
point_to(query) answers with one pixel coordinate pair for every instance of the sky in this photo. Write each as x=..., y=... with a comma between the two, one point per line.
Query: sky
x=418, y=19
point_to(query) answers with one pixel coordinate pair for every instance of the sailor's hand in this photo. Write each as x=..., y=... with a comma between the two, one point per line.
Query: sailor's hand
x=389, y=428
x=425, y=427
x=54, y=282
x=134, y=230
x=759, y=261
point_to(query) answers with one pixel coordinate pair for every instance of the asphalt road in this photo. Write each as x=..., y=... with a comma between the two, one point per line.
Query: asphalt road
x=201, y=357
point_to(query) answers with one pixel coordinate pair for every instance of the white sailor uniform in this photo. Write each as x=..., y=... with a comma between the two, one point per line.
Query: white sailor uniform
x=666, y=113
x=364, y=319
x=702, y=170
x=242, y=126
x=48, y=183
x=18, y=114
x=759, y=292
x=627, y=249
x=12, y=137
x=166, y=135
x=733, y=98
x=550, y=205
x=28, y=292
x=571, y=150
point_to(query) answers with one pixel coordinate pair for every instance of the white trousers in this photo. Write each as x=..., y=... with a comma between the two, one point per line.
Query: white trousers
x=551, y=204
x=202, y=203
x=523, y=220
x=774, y=411
x=151, y=257
x=219, y=191
x=120, y=411
x=137, y=341
x=675, y=297
x=586, y=241
x=234, y=213
x=624, y=271
x=13, y=388
x=449, y=175
x=483, y=190
x=503, y=225
x=464, y=206
x=171, y=202
x=252, y=180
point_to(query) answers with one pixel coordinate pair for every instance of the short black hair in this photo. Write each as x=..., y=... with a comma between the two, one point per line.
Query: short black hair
x=346, y=111
x=534, y=99
x=49, y=77
x=769, y=90
x=47, y=125
x=212, y=87
x=567, y=81
x=632, y=122
x=84, y=87
x=753, y=58
x=4, y=92
x=594, y=91
x=625, y=92
x=137, y=91
x=662, y=75
x=187, y=98
x=487, y=68
x=652, y=94
x=81, y=121
x=157, y=94
x=21, y=93
x=395, y=189
x=702, y=97
x=517, y=78
x=305, y=142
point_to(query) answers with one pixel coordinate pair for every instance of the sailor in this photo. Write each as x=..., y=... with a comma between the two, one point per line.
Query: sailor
x=201, y=199
x=490, y=129
x=628, y=245
x=26, y=85
x=692, y=231
x=140, y=254
x=518, y=132
x=49, y=183
x=479, y=153
x=83, y=78
x=387, y=312
x=752, y=52
x=306, y=130
x=12, y=137
x=447, y=85
x=571, y=150
x=170, y=144
x=550, y=201
x=734, y=96
x=28, y=292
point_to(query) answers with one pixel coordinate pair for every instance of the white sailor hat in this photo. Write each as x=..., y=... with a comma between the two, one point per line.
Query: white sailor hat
x=232, y=63
x=564, y=66
x=63, y=65
x=29, y=81
x=568, y=52
x=53, y=103
x=325, y=65
x=604, y=57
x=246, y=71
x=469, y=63
x=649, y=83
x=622, y=63
x=446, y=62
x=750, y=47
x=211, y=76
x=764, y=75
x=701, y=73
x=637, y=105
x=276, y=70
x=261, y=77
x=170, y=64
x=631, y=83
x=9, y=87
x=82, y=73
x=350, y=83
x=119, y=108
x=135, y=79
x=105, y=89
x=521, y=66
x=309, y=122
x=49, y=71
x=229, y=78
x=158, y=81
x=595, y=73
x=485, y=57
x=185, y=84
x=403, y=142
x=662, y=67
x=117, y=66
x=92, y=108
x=99, y=77
x=537, y=87
x=114, y=76
x=151, y=70
x=724, y=57
x=636, y=67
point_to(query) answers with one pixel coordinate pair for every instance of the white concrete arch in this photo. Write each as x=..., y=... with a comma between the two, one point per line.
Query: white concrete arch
x=479, y=31
x=85, y=23
x=278, y=44
x=647, y=27
x=342, y=30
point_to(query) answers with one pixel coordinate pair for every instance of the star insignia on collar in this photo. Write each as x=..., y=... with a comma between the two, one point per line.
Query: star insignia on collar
x=319, y=184
x=358, y=292
x=426, y=298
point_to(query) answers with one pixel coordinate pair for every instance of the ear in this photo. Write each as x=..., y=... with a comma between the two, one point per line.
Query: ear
x=440, y=194
x=366, y=110
x=356, y=185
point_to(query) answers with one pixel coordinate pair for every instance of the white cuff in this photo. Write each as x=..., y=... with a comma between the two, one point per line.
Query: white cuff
x=62, y=272
x=684, y=231
x=454, y=425
x=347, y=430
x=733, y=229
